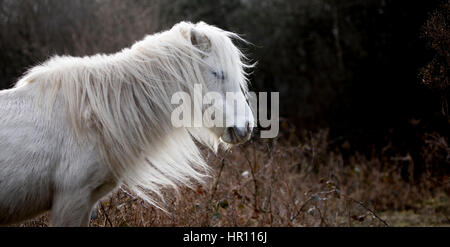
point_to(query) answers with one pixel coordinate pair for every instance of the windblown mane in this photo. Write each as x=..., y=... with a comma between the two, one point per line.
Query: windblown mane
x=123, y=101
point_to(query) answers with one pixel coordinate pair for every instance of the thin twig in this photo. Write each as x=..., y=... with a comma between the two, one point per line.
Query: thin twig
x=368, y=209
x=301, y=208
x=255, y=184
x=106, y=214
x=270, y=152
x=216, y=184
x=322, y=220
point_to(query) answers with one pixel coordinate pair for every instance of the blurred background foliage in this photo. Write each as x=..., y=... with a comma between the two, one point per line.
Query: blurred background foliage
x=373, y=72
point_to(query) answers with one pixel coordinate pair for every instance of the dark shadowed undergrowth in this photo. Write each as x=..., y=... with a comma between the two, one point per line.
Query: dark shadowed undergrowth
x=291, y=181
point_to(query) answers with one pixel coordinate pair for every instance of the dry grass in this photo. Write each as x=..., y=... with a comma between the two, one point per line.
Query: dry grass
x=289, y=182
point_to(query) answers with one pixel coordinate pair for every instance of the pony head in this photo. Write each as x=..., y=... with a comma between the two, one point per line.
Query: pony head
x=221, y=81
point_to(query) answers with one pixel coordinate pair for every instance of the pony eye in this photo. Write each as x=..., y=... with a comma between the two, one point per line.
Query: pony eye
x=219, y=75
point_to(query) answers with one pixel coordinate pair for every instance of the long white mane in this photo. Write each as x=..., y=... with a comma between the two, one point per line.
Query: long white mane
x=122, y=102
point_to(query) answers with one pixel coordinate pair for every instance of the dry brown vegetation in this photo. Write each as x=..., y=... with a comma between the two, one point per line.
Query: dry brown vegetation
x=290, y=181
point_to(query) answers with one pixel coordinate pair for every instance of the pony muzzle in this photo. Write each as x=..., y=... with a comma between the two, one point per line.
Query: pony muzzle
x=237, y=135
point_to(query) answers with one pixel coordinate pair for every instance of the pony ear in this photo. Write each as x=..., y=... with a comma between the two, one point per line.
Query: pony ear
x=200, y=41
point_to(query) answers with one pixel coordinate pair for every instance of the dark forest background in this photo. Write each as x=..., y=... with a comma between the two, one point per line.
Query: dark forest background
x=373, y=72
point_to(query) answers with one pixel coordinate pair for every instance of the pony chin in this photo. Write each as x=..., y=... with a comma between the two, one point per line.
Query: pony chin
x=208, y=138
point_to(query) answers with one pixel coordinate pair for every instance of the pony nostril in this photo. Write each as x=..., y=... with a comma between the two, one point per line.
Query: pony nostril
x=232, y=132
x=240, y=132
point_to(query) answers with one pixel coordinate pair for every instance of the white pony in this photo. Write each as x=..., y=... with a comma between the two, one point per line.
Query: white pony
x=74, y=129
